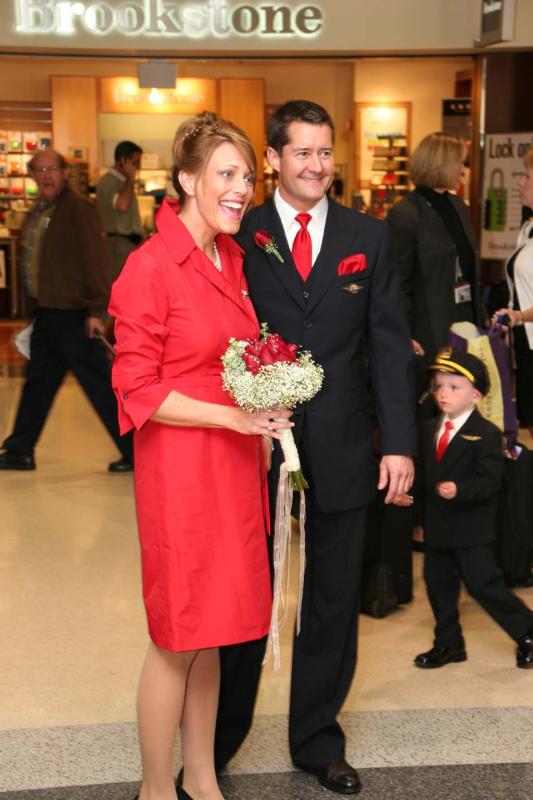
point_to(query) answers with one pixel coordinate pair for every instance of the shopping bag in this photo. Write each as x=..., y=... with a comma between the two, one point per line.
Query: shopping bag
x=498, y=405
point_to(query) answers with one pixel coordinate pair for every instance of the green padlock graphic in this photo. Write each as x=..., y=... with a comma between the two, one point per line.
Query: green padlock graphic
x=496, y=203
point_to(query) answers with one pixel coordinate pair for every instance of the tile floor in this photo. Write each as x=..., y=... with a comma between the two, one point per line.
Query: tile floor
x=73, y=638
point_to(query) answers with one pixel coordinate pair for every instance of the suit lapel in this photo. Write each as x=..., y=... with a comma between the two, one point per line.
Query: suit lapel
x=286, y=272
x=458, y=444
x=338, y=236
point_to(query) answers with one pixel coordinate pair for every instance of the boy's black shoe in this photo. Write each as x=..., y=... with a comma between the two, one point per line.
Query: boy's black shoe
x=524, y=653
x=439, y=656
x=20, y=461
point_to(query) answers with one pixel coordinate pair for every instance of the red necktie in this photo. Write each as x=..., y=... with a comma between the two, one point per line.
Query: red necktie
x=302, y=249
x=442, y=444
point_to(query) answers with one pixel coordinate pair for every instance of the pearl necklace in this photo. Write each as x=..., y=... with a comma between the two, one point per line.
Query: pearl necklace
x=217, y=261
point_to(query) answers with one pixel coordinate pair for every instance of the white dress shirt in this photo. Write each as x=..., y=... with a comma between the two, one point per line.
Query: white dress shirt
x=316, y=225
x=523, y=275
x=458, y=423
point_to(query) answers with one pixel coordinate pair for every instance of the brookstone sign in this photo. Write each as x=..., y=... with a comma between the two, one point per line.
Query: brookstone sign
x=196, y=20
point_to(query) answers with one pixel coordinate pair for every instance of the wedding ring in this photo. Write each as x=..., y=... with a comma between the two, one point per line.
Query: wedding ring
x=270, y=427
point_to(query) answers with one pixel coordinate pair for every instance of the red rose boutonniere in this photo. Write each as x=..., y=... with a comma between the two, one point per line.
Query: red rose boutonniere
x=265, y=241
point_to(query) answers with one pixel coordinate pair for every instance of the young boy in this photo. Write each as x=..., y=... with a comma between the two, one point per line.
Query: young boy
x=462, y=468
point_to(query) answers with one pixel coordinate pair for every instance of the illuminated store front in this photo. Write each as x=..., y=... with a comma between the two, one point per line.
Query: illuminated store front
x=84, y=75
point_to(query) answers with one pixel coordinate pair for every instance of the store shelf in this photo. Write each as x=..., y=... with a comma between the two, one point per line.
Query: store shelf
x=390, y=174
x=17, y=148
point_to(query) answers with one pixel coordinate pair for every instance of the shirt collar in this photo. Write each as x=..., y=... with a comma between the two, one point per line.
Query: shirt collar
x=117, y=174
x=287, y=213
x=459, y=421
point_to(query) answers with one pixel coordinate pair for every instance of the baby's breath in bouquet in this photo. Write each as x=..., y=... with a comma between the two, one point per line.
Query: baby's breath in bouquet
x=266, y=373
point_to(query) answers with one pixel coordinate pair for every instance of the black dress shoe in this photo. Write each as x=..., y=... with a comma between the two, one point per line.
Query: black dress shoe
x=20, y=461
x=439, y=656
x=340, y=777
x=524, y=653
x=122, y=465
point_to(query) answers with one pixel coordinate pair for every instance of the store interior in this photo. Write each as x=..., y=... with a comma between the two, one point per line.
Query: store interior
x=382, y=107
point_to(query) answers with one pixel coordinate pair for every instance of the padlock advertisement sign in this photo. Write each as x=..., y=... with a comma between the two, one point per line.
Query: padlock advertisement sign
x=502, y=209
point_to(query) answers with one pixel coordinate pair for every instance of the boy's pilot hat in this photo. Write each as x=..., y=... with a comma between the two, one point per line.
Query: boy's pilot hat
x=459, y=362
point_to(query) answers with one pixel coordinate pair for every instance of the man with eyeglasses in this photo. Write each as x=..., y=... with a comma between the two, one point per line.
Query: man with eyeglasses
x=65, y=269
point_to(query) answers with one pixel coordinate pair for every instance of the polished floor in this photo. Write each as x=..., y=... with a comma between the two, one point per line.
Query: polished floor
x=73, y=636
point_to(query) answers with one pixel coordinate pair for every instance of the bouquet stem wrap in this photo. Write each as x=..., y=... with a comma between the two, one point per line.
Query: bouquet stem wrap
x=292, y=461
x=282, y=562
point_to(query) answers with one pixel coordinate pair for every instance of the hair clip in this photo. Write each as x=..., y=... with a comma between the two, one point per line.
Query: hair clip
x=195, y=132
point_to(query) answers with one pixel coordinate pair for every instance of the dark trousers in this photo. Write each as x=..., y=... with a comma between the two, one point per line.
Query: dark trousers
x=324, y=654
x=58, y=344
x=443, y=571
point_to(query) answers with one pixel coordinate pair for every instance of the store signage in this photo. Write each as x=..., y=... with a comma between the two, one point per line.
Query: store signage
x=502, y=209
x=219, y=18
x=497, y=21
x=121, y=95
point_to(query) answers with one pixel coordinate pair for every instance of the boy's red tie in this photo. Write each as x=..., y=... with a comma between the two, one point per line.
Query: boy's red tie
x=442, y=444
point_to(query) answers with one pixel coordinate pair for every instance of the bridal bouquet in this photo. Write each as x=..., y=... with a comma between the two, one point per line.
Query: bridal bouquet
x=261, y=375
x=266, y=373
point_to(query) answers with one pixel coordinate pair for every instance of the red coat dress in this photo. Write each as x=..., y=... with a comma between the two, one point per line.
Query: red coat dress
x=200, y=492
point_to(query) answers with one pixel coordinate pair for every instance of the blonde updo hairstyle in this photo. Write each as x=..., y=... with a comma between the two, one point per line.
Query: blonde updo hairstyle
x=528, y=159
x=196, y=140
x=434, y=162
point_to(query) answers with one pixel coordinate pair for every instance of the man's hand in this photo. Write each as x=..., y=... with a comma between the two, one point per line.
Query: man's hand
x=398, y=472
x=129, y=169
x=446, y=489
x=95, y=327
x=417, y=348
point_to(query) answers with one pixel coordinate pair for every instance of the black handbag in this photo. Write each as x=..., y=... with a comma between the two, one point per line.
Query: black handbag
x=379, y=595
x=514, y=520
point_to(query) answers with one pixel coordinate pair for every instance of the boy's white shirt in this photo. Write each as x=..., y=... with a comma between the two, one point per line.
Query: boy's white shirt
x=458, y=423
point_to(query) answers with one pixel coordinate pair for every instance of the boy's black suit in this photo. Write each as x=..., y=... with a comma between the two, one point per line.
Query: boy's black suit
x=458, y=533
x=354, y=325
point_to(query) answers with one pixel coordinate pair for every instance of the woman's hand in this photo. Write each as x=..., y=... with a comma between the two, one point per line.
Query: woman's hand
x=514, y=317
x=261, y=423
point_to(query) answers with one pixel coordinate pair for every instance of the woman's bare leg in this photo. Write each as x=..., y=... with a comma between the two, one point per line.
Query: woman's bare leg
x=160, y=703
x=198, y=727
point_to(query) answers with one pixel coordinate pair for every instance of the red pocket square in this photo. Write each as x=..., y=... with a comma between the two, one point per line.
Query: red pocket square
x=348, y=266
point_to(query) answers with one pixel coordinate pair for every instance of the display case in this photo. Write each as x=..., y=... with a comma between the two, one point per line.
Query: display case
x=382, y=148
x=390, y=174
x=10, y=295
x=16, y=150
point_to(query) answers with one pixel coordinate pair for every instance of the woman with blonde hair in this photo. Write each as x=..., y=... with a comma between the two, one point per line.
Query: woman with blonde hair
x=519, y=273
x=200, y=475
x=434, y=247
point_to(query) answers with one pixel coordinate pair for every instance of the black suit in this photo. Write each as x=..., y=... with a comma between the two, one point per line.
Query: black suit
x=459, y=532
x=343, y=330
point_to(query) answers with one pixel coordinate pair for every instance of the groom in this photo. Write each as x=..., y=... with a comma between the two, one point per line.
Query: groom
x=338, y=295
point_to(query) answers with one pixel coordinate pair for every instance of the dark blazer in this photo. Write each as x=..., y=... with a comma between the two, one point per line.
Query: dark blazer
x=426, y=259
x=474, y=461
x=340, y=327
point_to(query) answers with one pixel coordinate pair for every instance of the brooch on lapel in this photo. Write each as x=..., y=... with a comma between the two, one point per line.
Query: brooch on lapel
x=265, y=241
x=353, y=288
x=351, y=264
x=470, y=437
